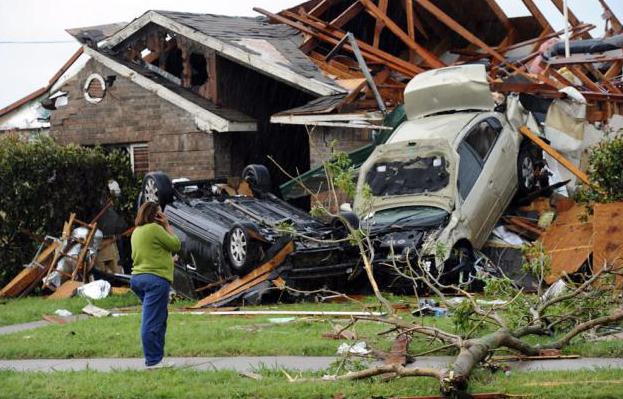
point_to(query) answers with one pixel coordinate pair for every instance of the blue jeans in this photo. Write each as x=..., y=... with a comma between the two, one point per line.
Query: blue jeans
x=153, y=291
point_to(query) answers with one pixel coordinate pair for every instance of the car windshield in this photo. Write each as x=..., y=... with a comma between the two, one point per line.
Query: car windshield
x=420, y=216
x=414, y=176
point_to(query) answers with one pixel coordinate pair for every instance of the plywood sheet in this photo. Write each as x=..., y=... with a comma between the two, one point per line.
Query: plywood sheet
x=608, y=240
x=66, y=290
x=568, y=242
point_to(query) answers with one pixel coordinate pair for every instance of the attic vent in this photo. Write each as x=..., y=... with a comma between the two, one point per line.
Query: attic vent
x=94, y=88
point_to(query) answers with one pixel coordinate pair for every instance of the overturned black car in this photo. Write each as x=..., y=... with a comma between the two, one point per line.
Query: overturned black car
x=229, y=231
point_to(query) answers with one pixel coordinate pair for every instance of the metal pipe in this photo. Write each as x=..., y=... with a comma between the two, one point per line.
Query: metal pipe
x=362, y=65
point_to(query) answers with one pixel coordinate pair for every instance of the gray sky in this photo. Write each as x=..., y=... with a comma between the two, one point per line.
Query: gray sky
x=27, y=66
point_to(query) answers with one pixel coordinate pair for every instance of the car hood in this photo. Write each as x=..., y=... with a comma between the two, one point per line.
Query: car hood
x=448, y=89
x=408, y=151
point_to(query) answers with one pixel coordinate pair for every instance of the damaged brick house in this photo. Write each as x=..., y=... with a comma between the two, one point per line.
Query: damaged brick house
x=193, y=94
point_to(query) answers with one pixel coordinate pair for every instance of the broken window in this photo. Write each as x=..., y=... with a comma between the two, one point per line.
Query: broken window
x=419, y=175
x=483, y=137
x=175, y=63
x=199, y=69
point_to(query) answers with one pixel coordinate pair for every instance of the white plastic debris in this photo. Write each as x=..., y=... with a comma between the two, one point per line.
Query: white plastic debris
x=508, y=236
x=97, y=289
x=63, y=312
x=358, y=348
x=95, y=311
x=554, y=291
x=282, y=320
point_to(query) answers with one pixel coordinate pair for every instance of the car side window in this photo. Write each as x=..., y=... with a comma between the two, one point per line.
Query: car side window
x=473, y=152
x=483, y=136
x=470, y=167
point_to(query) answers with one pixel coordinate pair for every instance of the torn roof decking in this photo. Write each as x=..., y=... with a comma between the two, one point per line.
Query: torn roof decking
x=253, y=42
x=92, y=35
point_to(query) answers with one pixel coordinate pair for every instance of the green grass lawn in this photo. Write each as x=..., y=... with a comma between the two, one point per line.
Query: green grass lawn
x=225, y=384
x=15, y=311
x=204, y=335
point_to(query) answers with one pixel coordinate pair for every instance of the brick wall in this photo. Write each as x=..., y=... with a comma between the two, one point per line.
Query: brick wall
x=346, y=139
x=129, y=114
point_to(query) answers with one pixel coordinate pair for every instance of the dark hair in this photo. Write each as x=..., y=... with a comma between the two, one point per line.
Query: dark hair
x=146, y=213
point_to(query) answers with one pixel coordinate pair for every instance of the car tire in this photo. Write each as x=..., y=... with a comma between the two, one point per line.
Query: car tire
x=258, y=177
x=529, y=164
x=459, y=265
x=157, y=187
x=242, y=251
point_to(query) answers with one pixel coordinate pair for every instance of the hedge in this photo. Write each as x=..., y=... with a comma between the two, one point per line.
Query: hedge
x=41, y=183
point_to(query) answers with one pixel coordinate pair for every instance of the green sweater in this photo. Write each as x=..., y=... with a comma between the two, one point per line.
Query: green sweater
x=152, y=248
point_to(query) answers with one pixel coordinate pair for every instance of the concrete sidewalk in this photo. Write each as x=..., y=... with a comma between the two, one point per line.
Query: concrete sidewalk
x=39, y=323
x=302, y=363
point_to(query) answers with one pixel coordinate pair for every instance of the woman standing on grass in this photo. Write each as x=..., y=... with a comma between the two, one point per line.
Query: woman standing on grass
x=153, y=245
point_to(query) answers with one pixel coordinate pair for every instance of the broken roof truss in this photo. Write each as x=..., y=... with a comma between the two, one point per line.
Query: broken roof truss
x=401, y=39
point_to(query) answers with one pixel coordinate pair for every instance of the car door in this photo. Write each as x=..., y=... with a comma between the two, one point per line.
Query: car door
x=480, y=184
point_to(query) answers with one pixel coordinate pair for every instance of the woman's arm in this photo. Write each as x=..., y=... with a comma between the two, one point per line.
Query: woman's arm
x=167, y=238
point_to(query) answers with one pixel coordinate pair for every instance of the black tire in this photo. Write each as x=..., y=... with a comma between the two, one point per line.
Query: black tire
x=529, y=169
x=258, y=177
x=459, y=266
x=157, y=187
x=242, y=251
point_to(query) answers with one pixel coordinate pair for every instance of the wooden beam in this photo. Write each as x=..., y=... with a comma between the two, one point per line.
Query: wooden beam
x=321, y=7
x=555, y=154
x=255, y=277
x=410, y=26
x=379, y=25
x=347, y=15
x=331, y=35
x=470, y=37
x=614, y=21
x=311, y=42
x=538, y=15
x=614, y=70
x=585, y=79
x=501, y=15
x=428, y=57
x=212, y=77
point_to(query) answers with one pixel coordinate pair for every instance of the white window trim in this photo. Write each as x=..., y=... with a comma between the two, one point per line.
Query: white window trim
x=92, y=77
x=131, y=148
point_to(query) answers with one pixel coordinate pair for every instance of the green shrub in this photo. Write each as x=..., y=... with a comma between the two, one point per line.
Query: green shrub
x=41, y=183
x=606, y=172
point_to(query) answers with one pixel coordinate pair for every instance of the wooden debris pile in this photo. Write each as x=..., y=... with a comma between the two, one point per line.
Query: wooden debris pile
x=62, y=264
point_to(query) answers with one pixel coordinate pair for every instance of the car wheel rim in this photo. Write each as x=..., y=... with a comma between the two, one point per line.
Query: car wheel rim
x=527, y=172
x=151, y=191
x=238, y=246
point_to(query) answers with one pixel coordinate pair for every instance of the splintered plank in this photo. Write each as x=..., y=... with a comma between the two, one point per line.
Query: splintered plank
x=555, y=154
x=66, y=290
x=30, y=275
x=568, y=242
x=608, y=240
x=398, y=354
x=257, y=276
